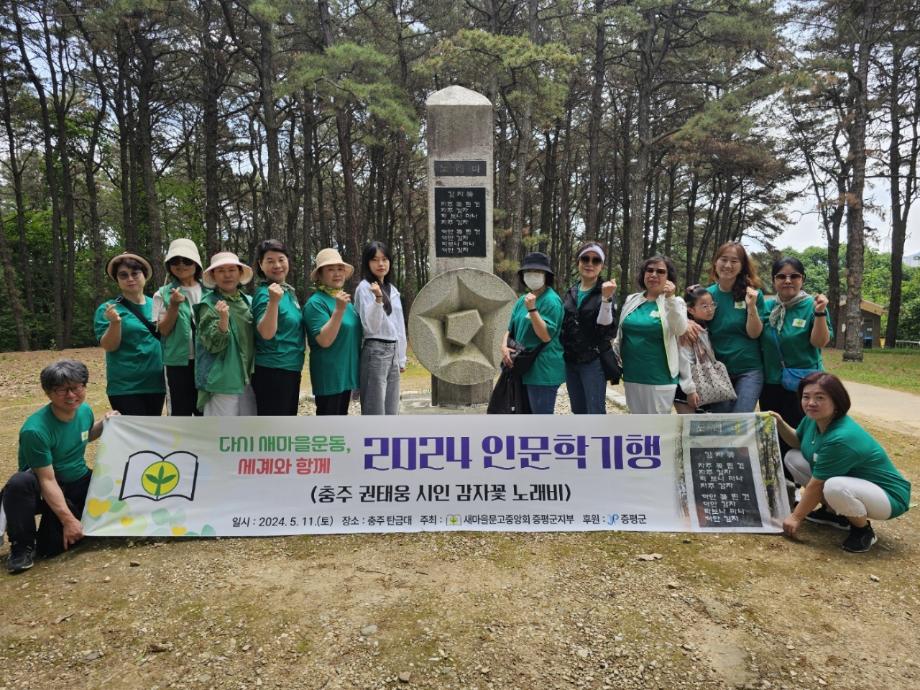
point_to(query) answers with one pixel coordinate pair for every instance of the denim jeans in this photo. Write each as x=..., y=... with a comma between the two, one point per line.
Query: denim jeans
x=747, y=387
x=542, y=398
x=379, y=377
x=587, y=387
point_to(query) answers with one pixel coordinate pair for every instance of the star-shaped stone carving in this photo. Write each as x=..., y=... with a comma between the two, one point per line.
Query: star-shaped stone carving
x=457, y=322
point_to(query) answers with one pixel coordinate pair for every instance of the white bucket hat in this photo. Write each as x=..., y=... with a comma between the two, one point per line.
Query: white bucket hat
x=330, y=257
x=226, y=259
x=184, y=248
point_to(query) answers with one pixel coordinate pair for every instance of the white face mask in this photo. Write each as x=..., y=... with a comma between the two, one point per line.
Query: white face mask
x=534, y=280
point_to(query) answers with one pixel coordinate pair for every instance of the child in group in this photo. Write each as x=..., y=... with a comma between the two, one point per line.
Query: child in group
x=700, y=308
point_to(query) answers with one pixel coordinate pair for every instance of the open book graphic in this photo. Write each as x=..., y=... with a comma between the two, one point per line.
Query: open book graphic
x=151, y=475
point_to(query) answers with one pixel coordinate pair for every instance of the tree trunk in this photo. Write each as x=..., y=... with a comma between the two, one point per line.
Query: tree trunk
x=598, y=71
x=146, y=83
x=855, y=220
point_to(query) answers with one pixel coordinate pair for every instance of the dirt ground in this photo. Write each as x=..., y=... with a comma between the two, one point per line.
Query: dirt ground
x=461, y=610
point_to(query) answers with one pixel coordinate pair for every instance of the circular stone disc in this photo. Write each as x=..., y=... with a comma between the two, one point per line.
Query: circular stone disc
x=453, y=292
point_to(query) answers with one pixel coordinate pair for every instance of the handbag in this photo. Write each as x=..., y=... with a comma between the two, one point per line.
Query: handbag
x=713, y=384
x=790, y=376
x=508, y=395
x=611, y=366
x=522, y=357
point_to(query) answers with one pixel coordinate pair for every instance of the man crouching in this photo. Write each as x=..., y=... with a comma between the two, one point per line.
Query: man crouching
x=53, y=478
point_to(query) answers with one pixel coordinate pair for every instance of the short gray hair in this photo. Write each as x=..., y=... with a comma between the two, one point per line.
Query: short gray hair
x=64, y=372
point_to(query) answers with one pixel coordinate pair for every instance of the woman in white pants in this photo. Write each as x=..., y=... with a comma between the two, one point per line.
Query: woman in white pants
x=840, y=465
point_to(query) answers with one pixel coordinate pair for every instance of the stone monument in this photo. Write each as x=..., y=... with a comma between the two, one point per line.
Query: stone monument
x=458, y=319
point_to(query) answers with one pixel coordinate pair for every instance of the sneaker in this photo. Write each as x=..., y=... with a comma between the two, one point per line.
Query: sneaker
x=823, y=516
x=22, y=557
x=860, y=539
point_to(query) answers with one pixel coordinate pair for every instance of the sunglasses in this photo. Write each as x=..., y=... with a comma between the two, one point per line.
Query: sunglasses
x=594, y=260
x=124, y=275
x=783, y=277
x=659, y=271
x=176, y=260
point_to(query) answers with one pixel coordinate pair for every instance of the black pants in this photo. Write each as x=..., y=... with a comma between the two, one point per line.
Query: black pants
x=183, y=396
x=775, y=398
x=336, y=404
x=22, y=501
x=277, y=391
x=143, y=404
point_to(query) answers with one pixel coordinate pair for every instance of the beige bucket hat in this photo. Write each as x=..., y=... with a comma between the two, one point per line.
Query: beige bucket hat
x=330, y=257
x=184, y=248
x=110, y=267
x=226, y=259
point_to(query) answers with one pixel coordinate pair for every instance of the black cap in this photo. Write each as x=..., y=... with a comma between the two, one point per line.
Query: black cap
x=535, y=261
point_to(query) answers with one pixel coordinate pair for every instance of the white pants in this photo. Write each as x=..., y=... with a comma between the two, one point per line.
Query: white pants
x=847, y=496
x=223, y=405
x=643, y=398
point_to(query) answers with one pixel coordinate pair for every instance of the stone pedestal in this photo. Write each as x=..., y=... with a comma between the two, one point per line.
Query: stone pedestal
x=460, y=184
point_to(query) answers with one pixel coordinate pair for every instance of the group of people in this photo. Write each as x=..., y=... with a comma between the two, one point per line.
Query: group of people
x=770, y=350
x=220, y=351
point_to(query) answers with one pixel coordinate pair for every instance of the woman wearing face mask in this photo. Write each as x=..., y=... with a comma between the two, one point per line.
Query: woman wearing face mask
x=587, y=329
x=650, y=323
x=172, y=310
x=127, y=333
x=535, y=322
x=736, y=326
x=226, y=340
x=334, y=334
x=280, y=339
x=383, y=353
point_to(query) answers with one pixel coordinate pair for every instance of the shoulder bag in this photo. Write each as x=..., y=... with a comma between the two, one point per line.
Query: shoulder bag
x=713, y=384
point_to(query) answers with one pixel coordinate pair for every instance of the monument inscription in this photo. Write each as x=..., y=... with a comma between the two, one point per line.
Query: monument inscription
x=460, y=221
x=460, y=169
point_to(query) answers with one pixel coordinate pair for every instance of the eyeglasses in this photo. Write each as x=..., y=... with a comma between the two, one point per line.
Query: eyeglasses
x=728, y=260
x=61, y=391
x=659, y=271
x=177, y=260
x=124, y=275
x=783, y=277
x=594, y=260
x=707, y=307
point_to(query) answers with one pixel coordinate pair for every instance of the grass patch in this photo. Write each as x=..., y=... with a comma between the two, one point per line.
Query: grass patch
x=896, y=369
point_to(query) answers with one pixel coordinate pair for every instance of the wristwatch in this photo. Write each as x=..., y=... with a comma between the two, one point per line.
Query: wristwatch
x=820, y=313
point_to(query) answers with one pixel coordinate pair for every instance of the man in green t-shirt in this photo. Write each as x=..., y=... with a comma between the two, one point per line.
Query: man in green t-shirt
x=53, y=478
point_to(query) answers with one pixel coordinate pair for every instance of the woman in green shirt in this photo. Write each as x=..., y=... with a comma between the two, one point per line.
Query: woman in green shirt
x=536, y=321
x=840, y=465
x=125, y=329
x=651, y=321
x=736, y=326
x=279, y=333
x=334, y=334
x=795, y=328
x=172, y=310
x=226, y=340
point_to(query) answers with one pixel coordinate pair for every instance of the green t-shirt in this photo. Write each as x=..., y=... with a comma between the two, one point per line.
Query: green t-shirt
x=642, y=347
x=549, y=367
x=845, y=449
x=333, y=369
x=581, y=296
x=795, y=340
x=137, y=365
x=45, y=440
x=286, y=349
x=728, y=332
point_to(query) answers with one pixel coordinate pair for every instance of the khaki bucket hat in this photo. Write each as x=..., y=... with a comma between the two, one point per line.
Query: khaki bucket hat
x=330, y=257
x=184, y=248
x=225, y=259
x=110, y=267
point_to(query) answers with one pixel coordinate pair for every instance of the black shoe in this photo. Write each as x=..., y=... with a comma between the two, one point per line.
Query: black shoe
x=823, y=516
x=860, y=539
x=22, y=557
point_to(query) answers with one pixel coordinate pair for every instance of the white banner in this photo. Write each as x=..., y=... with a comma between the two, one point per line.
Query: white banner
x=256, y=476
